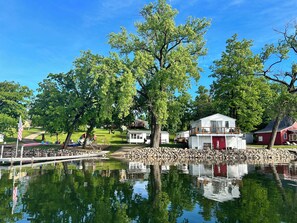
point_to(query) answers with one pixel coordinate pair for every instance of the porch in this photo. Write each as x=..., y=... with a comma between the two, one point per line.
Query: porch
x=214, y=130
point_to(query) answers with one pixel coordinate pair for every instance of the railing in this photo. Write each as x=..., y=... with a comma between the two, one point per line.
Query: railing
x=213, y=130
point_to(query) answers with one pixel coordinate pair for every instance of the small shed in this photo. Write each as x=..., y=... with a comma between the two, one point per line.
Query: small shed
x=144, y=136
x=286, y=132
x=182, y=136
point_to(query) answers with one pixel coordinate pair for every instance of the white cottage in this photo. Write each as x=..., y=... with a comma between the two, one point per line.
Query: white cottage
x=144, y=136
x=216, y=132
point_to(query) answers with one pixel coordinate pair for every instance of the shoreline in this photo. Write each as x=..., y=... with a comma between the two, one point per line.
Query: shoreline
x=165, y=155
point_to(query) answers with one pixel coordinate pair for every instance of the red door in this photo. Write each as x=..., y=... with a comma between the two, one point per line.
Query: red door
x=220, y=170
x=218, y=142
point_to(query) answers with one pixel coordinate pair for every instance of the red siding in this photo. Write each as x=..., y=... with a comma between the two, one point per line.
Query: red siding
x=279, y=140
x=220, y=170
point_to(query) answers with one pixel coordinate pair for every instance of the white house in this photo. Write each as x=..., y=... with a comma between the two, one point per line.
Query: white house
x=216, y=132
x=182, y=136
x=144, y=136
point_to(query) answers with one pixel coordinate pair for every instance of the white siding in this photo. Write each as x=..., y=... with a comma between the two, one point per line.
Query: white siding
x=138, y=137
x=197, y=142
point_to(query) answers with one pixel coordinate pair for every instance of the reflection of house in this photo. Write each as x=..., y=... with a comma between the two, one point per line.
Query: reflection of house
x=137, y=167
x=287, y=131
x=165, y=168
x=144, y=136
x=217, y=132
x=184, y=168
x=137, y=171
x=285, y=171
x=219, y=182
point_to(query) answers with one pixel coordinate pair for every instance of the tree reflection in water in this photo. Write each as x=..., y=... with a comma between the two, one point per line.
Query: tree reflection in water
x=63, y=193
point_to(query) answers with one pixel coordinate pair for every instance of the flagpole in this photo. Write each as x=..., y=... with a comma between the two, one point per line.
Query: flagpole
x=20, y=130
x=16, y=148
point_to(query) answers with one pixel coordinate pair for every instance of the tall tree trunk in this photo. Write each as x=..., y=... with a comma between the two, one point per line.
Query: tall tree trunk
x=157, y=136
x=88, y=134
x=57, y=137
x=274, y=131
x=155, y=133
x=67, y=140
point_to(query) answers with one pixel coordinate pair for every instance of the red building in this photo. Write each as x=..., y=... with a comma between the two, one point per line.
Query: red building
x=287, y=132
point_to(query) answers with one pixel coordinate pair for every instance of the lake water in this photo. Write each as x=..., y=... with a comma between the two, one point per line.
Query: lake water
x=110, y=191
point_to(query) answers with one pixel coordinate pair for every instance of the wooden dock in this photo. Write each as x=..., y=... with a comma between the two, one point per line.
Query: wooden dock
x=38, y=164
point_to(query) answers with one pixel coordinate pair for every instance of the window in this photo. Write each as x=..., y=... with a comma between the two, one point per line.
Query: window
x=285, y=135
x=260, y=138
x=293, y=137
x=227, y=124
x=216, y=126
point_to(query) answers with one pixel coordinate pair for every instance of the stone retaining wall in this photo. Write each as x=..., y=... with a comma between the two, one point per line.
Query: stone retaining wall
x=178, y=156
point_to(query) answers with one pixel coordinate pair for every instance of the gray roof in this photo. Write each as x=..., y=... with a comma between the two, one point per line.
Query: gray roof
x=285, y=123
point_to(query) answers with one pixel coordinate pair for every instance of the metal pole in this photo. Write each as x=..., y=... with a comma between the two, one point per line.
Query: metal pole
x=22, y=151
x=16, y=148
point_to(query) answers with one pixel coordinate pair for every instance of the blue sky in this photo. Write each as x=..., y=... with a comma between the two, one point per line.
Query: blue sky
x=42, y=37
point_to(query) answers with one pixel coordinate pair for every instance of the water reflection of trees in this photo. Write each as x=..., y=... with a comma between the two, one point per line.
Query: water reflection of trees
x=70, y=195
x=6, y=204
x=77, y=197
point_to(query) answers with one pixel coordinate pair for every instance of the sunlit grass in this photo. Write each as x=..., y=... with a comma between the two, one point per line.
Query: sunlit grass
x=102, y=137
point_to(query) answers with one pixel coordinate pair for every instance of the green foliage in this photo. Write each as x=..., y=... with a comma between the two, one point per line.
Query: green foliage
x=203, y=105
x=179, y=113
x=61, y=192
x=14, y=101
x=236, y=90
x=284, y=103
x=96, y=89
x=164, y=57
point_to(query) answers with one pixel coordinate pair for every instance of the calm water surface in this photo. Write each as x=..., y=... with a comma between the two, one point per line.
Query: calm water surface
x=111, y=191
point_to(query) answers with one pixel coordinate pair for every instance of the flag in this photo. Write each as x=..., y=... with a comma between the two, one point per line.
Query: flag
x=20, y=129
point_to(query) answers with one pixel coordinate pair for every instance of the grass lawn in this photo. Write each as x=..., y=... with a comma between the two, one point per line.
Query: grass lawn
x=26, y=132
x=275, y=146
x=102, y=137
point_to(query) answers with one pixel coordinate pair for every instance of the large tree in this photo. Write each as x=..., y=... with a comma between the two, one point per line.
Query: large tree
x=95, y=89
x=163, y=57
x=273, y=56
x=236, y=91
x=14, y=100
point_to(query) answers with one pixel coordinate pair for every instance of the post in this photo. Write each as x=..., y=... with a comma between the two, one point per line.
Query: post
x=22, y=151
x=16, y=148
x=2, y=148
x=19, y=137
